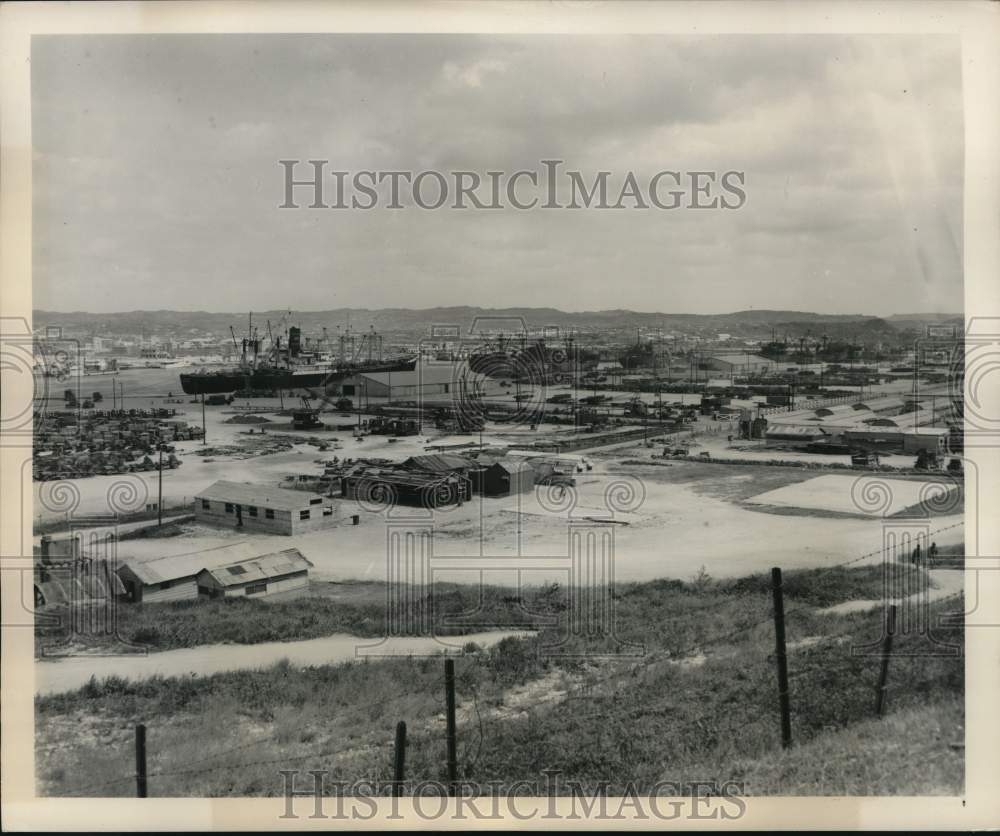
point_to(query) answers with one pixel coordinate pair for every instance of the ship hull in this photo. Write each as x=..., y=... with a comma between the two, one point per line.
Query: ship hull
x=269, y=379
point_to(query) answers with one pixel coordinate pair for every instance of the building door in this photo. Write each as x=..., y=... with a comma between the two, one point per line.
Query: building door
x=239, y=515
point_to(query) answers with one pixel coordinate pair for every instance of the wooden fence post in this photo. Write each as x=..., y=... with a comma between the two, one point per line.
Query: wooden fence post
x=886, y=653
x=780, y=657
x=400, y=760
x=449, y=685
x=140, y=761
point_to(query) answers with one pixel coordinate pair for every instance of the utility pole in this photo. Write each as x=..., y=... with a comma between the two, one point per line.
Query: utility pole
x=159, y=501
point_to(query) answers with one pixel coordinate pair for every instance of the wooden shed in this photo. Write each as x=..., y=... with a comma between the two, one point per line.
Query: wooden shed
x=503, y=478
x=267, y=574
x=388, y=486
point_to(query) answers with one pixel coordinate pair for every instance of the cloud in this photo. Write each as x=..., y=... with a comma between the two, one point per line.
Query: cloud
x=471, y=75
x=157, y=183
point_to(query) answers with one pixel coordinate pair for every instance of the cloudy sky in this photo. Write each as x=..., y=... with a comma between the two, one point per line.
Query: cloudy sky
x=156, y=181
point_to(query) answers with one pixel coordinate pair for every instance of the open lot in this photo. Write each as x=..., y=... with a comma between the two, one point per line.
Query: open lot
x=870, y=494
x=688, y=515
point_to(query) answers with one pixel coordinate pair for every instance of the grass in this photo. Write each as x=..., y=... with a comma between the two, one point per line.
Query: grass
x=871, y=758
x=180, y=624
x=700, y=703
x=459, y=609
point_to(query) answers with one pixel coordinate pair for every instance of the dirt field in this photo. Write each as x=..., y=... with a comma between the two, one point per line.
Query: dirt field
x=870, y=494
x=684, y=517
x=681, y=518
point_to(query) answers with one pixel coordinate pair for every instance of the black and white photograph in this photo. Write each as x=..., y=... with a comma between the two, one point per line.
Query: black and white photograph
x=421, y=418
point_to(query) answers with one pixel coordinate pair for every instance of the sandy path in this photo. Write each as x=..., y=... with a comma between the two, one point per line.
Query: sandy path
x=69, y=673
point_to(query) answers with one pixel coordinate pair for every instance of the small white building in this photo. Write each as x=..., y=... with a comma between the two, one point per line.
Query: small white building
x=267, y=574
x=263, y=508
x=235, y=570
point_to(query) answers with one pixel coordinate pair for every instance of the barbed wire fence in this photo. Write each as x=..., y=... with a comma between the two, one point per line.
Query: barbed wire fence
x=475, y=743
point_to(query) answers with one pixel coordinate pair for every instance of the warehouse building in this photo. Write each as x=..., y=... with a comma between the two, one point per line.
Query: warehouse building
x=901, y=439
x=441, y=463
x=916, y=418
x=879, y=405
x=428, y=379
x=385, y=487
x=236, y=570
x=263, y=508
x=739, y=363
x=787, y=435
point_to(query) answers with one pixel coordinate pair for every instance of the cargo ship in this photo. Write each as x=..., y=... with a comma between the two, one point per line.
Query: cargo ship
x=292, y=365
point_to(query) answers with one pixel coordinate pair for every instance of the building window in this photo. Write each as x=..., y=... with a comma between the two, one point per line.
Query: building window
x=316, y=501
x=229, y=507
x=237, y=570
x=328, y=511
x=304, y=515
x=269, y=513
x=206, y=505
x=252, y=510
x=256, y=589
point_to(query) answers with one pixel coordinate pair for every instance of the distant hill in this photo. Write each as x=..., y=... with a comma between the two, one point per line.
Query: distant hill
x=747, y=324
x=919, y=322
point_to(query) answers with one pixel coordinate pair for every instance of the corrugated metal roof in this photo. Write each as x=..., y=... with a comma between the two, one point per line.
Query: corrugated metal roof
x=259, y=568
x=513, y=467
x=791, y=431
x=826, y=411
x=172, y=567
x=903, y=431
x=263, y=496
x=407, y=478
x=80, y=588
x=880, y=404
x=427, y=374
x=739, y=359
x=440, y=463
x=906, y=420
x=857, y=419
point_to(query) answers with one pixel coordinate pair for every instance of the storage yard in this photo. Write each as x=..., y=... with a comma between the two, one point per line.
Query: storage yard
x=512, y=489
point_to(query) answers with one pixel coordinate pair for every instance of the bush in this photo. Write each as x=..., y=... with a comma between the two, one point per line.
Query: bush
x=146, y=636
